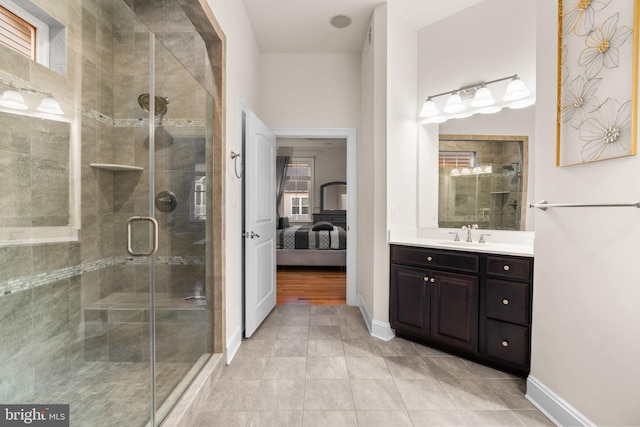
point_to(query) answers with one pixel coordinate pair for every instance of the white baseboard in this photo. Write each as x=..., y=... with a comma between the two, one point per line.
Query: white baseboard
x=233, y=344
x=378, y=329
x=382, y=330
x=553, y=406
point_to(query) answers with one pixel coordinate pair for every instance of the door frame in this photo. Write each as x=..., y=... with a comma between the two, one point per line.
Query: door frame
x=352, y=226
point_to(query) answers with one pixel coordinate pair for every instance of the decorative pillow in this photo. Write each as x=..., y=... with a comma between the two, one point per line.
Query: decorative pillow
x=283, y=222
x=322, y=225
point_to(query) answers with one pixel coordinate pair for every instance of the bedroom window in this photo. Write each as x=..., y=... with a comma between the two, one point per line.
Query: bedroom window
x=299, y=206
x=298, y=190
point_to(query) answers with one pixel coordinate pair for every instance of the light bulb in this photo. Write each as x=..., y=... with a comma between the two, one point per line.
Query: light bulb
x=14, y=100
x=429, y=109
x=454, y=104
x=51, y=106
x=483, y=98
x=516, y=90
x=436, y=119
x=523, y=103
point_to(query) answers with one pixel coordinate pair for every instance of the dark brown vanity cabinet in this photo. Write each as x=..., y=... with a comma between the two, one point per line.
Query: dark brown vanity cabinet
x=433, y=304
x=507, y=316
x=476, y=305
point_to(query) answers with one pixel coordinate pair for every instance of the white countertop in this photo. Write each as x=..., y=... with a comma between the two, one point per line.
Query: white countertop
x=518, y=243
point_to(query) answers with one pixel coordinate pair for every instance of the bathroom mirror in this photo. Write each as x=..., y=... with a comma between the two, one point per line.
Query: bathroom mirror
x=482, y=179
x=333, y=196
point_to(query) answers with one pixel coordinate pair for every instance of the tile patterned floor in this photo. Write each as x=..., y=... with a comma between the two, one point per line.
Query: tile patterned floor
x=318, y=366
x=110, y=394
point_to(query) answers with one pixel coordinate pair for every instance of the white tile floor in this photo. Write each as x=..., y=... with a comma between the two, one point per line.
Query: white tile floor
x=318, y=366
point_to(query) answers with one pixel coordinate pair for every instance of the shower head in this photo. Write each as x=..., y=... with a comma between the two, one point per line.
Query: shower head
x=160, y=106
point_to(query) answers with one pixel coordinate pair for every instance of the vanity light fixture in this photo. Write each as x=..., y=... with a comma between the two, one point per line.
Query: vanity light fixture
x=477, y=98
x=429, y=108
x=483, y=98
x=516, y=90
x=490, y=110
x=454, y=104
x=522, y=103
x=51, y=106
x=14, y=100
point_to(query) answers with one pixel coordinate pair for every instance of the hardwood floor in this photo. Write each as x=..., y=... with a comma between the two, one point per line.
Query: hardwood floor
x=311, y=286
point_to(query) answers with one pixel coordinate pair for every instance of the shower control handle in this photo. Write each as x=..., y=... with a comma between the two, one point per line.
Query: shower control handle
x=154, y=235
x=166, y=201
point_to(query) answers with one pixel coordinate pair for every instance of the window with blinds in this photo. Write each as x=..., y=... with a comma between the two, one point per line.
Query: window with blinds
x=457, y=159
x=17, y=34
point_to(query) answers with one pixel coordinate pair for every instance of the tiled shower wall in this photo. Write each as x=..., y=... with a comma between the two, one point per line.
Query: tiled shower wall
x=42, y=333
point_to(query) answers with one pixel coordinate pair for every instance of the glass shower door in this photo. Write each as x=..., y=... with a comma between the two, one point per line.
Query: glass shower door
x=178, y=201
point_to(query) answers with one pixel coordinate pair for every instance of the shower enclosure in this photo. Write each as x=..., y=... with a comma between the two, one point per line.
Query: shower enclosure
x=105, y=226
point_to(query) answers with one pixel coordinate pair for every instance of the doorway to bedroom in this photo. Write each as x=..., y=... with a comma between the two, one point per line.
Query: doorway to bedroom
x=313, y=194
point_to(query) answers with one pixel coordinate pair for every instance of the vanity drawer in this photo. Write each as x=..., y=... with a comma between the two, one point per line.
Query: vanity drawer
x=508, y=342
x=432, y=258
x=508, y=301
x=511, y=267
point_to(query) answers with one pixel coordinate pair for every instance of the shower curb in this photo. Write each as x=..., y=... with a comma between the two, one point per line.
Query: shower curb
x=186, y=409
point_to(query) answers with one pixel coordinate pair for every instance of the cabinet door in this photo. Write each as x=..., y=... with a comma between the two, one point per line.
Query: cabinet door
x=454, y=310
x=409, y=300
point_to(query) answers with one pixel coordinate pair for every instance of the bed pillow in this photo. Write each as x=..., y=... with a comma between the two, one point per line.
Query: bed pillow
x=322, y=225
x=283, y=222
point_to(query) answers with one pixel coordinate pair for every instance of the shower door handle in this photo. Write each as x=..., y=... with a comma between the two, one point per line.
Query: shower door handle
x=154, y=234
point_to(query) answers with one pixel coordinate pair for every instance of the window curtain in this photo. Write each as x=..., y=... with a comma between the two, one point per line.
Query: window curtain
x=282, y=162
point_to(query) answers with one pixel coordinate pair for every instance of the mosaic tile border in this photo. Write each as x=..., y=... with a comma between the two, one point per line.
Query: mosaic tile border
x=124, y=123
x=25, y=283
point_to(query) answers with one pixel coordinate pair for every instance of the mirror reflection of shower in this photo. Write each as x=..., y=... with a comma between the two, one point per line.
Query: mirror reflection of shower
x=160, y=105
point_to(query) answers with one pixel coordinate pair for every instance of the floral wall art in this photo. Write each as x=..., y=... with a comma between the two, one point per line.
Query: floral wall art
x=597, y=80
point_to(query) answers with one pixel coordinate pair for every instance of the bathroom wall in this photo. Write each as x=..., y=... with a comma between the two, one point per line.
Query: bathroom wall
x=585, y=350
x=241, y=87
x=309, y=90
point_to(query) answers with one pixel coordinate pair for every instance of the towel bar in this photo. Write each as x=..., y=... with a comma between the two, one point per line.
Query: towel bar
x=543, y=205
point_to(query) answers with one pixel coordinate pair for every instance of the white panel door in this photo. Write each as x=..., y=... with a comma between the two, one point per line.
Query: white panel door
x=260, y=223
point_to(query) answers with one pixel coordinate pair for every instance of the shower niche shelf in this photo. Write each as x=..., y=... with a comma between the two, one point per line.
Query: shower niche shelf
x=115, y=167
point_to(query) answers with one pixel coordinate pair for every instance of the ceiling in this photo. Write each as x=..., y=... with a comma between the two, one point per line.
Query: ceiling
x=302, y=26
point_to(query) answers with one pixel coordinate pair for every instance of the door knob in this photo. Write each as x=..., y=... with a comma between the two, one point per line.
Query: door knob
x=254, y=235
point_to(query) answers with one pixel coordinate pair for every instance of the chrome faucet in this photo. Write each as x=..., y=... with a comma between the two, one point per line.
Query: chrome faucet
x=469, y=228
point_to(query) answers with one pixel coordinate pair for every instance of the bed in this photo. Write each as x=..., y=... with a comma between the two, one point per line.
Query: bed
x=320, y=244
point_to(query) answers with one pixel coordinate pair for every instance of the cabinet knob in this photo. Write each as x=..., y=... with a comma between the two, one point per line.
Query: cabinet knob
x=426, y=279
x=505, y=343
x=505, y=267
x=429, y=258
x=505, y=301
x=432, y=280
